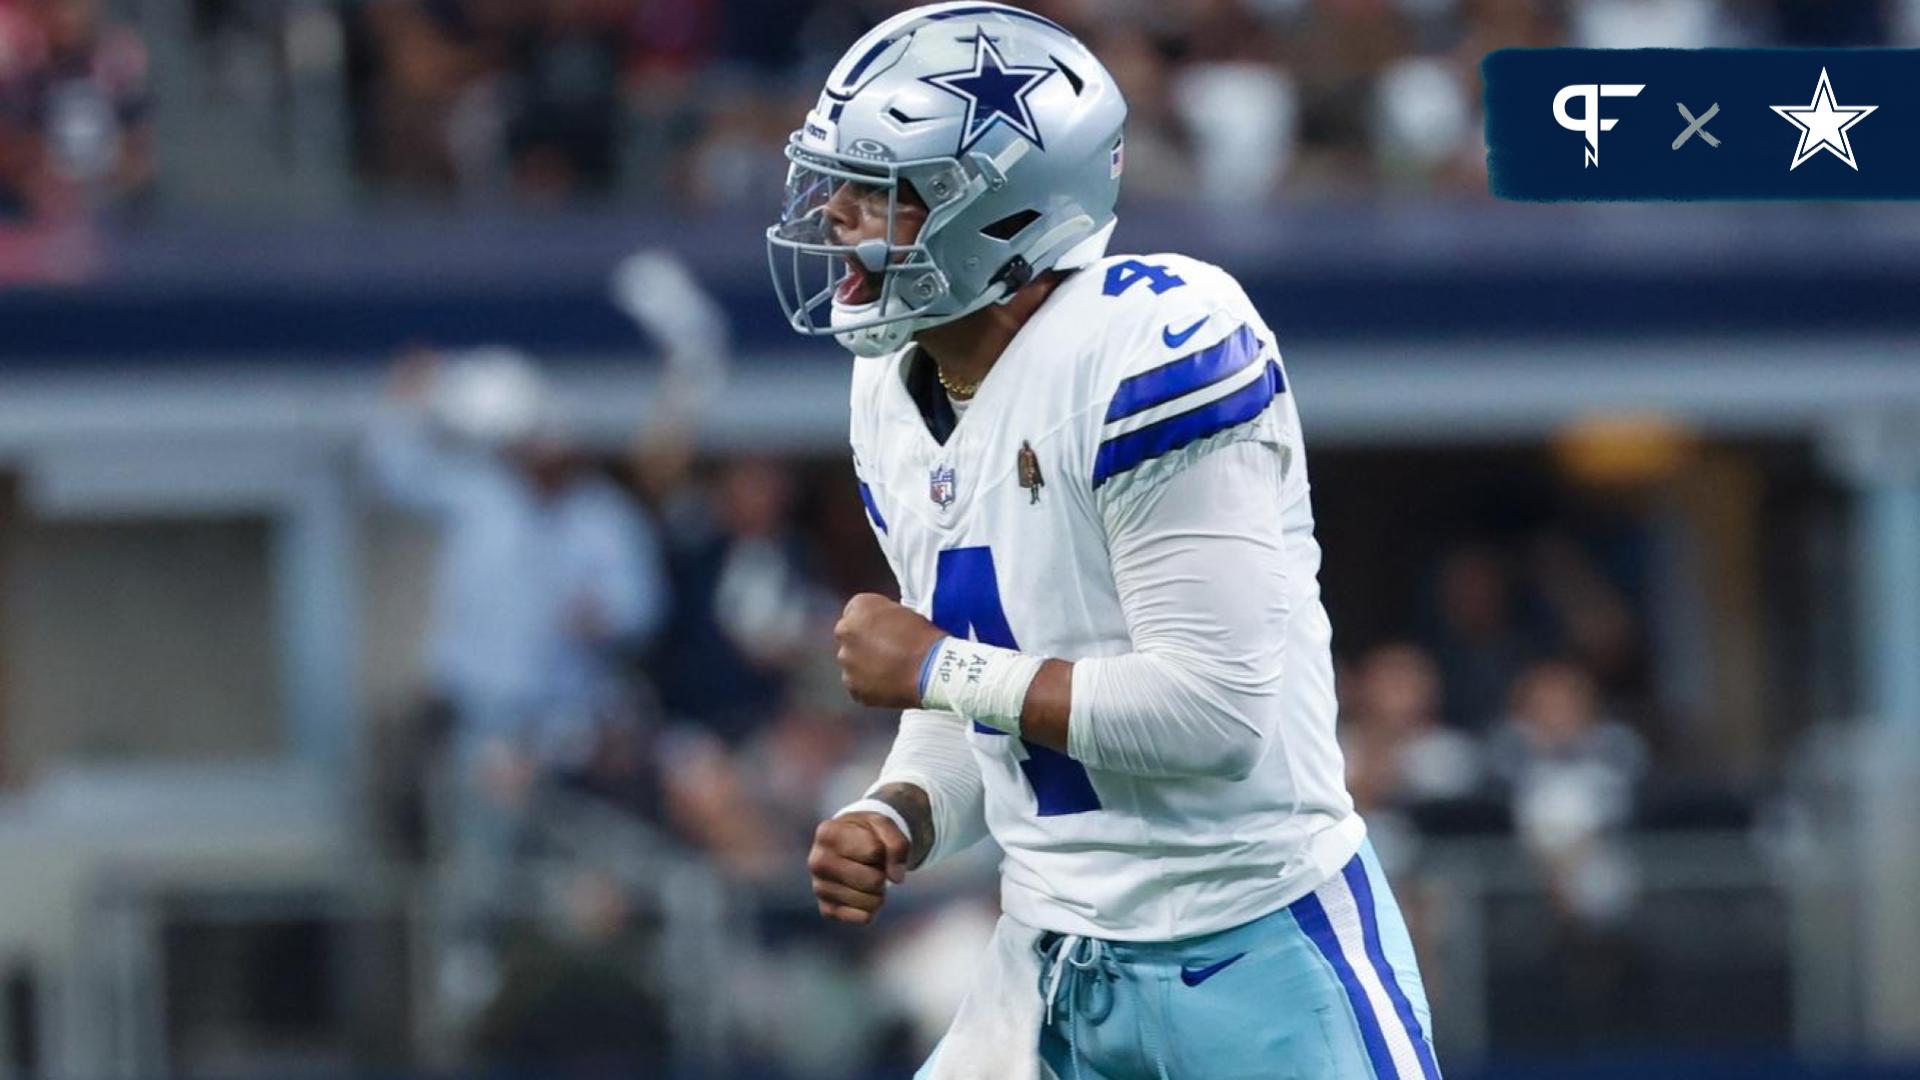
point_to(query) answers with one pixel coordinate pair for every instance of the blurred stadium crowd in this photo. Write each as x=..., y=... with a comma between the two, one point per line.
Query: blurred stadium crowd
x=546, y=101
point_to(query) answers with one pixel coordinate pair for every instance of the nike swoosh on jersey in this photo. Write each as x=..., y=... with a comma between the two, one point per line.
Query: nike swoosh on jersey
x=1194, y=976
x=1174, y=340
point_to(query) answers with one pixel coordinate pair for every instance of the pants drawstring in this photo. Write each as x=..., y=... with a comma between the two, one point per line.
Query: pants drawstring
x=1057, y=967
x=1065, y=963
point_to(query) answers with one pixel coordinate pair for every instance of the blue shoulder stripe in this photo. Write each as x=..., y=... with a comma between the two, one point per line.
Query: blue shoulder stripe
x=873, y=508
x=1185, y=375
x=1124, y=452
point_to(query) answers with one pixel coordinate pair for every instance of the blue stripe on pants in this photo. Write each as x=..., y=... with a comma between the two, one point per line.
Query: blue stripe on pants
x=1312, y=917
x=1357, y=880
x=1290, y=993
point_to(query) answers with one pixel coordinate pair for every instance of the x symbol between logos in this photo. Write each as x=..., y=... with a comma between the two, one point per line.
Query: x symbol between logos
x=1697, y=126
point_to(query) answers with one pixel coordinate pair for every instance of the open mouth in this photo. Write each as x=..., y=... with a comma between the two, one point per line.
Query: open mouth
x=858, y=286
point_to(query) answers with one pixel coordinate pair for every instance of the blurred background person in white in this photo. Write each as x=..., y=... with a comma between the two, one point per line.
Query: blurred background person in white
x=1572, y=774
x=1399, y=753
x=547, y=580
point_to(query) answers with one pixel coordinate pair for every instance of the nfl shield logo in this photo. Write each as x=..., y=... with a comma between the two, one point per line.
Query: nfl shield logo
x=940, y=487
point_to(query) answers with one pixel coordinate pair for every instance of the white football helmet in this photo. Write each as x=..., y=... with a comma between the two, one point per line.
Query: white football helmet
x=1000, y=121
x=493, y=396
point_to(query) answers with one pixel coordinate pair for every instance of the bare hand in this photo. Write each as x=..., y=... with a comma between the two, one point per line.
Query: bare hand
x=854, y=856
x=882, y=645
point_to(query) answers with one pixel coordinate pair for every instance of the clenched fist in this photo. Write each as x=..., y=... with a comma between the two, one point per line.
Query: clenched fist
x=882, y=645
x=854, y=856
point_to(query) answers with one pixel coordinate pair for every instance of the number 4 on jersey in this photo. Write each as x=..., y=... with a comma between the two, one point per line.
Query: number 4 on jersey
x=966, y=604
x=1127, y=273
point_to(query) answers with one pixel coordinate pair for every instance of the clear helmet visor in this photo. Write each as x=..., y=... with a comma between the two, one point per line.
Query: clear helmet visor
x=826, y=285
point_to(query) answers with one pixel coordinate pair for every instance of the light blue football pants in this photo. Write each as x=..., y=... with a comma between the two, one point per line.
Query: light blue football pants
x=1323, y=989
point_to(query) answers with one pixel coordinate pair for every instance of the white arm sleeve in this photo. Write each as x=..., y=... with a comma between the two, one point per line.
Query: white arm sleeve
x=626, y=567
x=412, y=466
x=931, y=753
x=1201, y=565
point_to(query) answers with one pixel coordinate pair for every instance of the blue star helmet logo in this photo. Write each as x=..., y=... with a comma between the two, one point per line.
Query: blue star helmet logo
x=995, y=93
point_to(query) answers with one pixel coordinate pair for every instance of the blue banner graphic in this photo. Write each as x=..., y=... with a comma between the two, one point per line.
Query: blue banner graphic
x=1675, y=124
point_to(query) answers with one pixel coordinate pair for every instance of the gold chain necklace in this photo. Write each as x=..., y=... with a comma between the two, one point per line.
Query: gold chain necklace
x=958, y=389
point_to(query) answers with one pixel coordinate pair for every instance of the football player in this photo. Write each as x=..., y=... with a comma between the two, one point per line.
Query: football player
x=1087, y=474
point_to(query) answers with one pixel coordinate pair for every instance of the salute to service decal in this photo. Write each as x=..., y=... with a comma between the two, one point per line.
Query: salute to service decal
x=1029, y=463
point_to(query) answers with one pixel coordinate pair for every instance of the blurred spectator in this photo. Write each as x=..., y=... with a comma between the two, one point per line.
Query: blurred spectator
x=564, y=90
x=73, y=110
x=469, y=97
x=1593, y=617
x=1831, y=23
x=1477, y=640
x=1399, y=755
x=715, y=801
x=1235, y=101
x=798, y=759
x=1397, y=750
x=1337, y=52
x=735, y=161
x=1425, y=126
x=758, y=35
x=546, y=571
x=576, y=997
x=546, y=578
x=1571, y=774
x=74, y=134
x=1242, y=115
x=1646, y=24
x=751, y=806
x=621, y=766
x=1238, y=106
x=426, y=108
x=671, y=35
x=747, y=608
x=1158, y=159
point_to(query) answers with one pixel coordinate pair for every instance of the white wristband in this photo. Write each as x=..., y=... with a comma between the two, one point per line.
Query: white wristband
x=875, y=806
x=983, y=683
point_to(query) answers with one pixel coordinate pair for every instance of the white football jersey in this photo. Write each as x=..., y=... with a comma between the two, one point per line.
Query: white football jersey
x=1131, y=370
